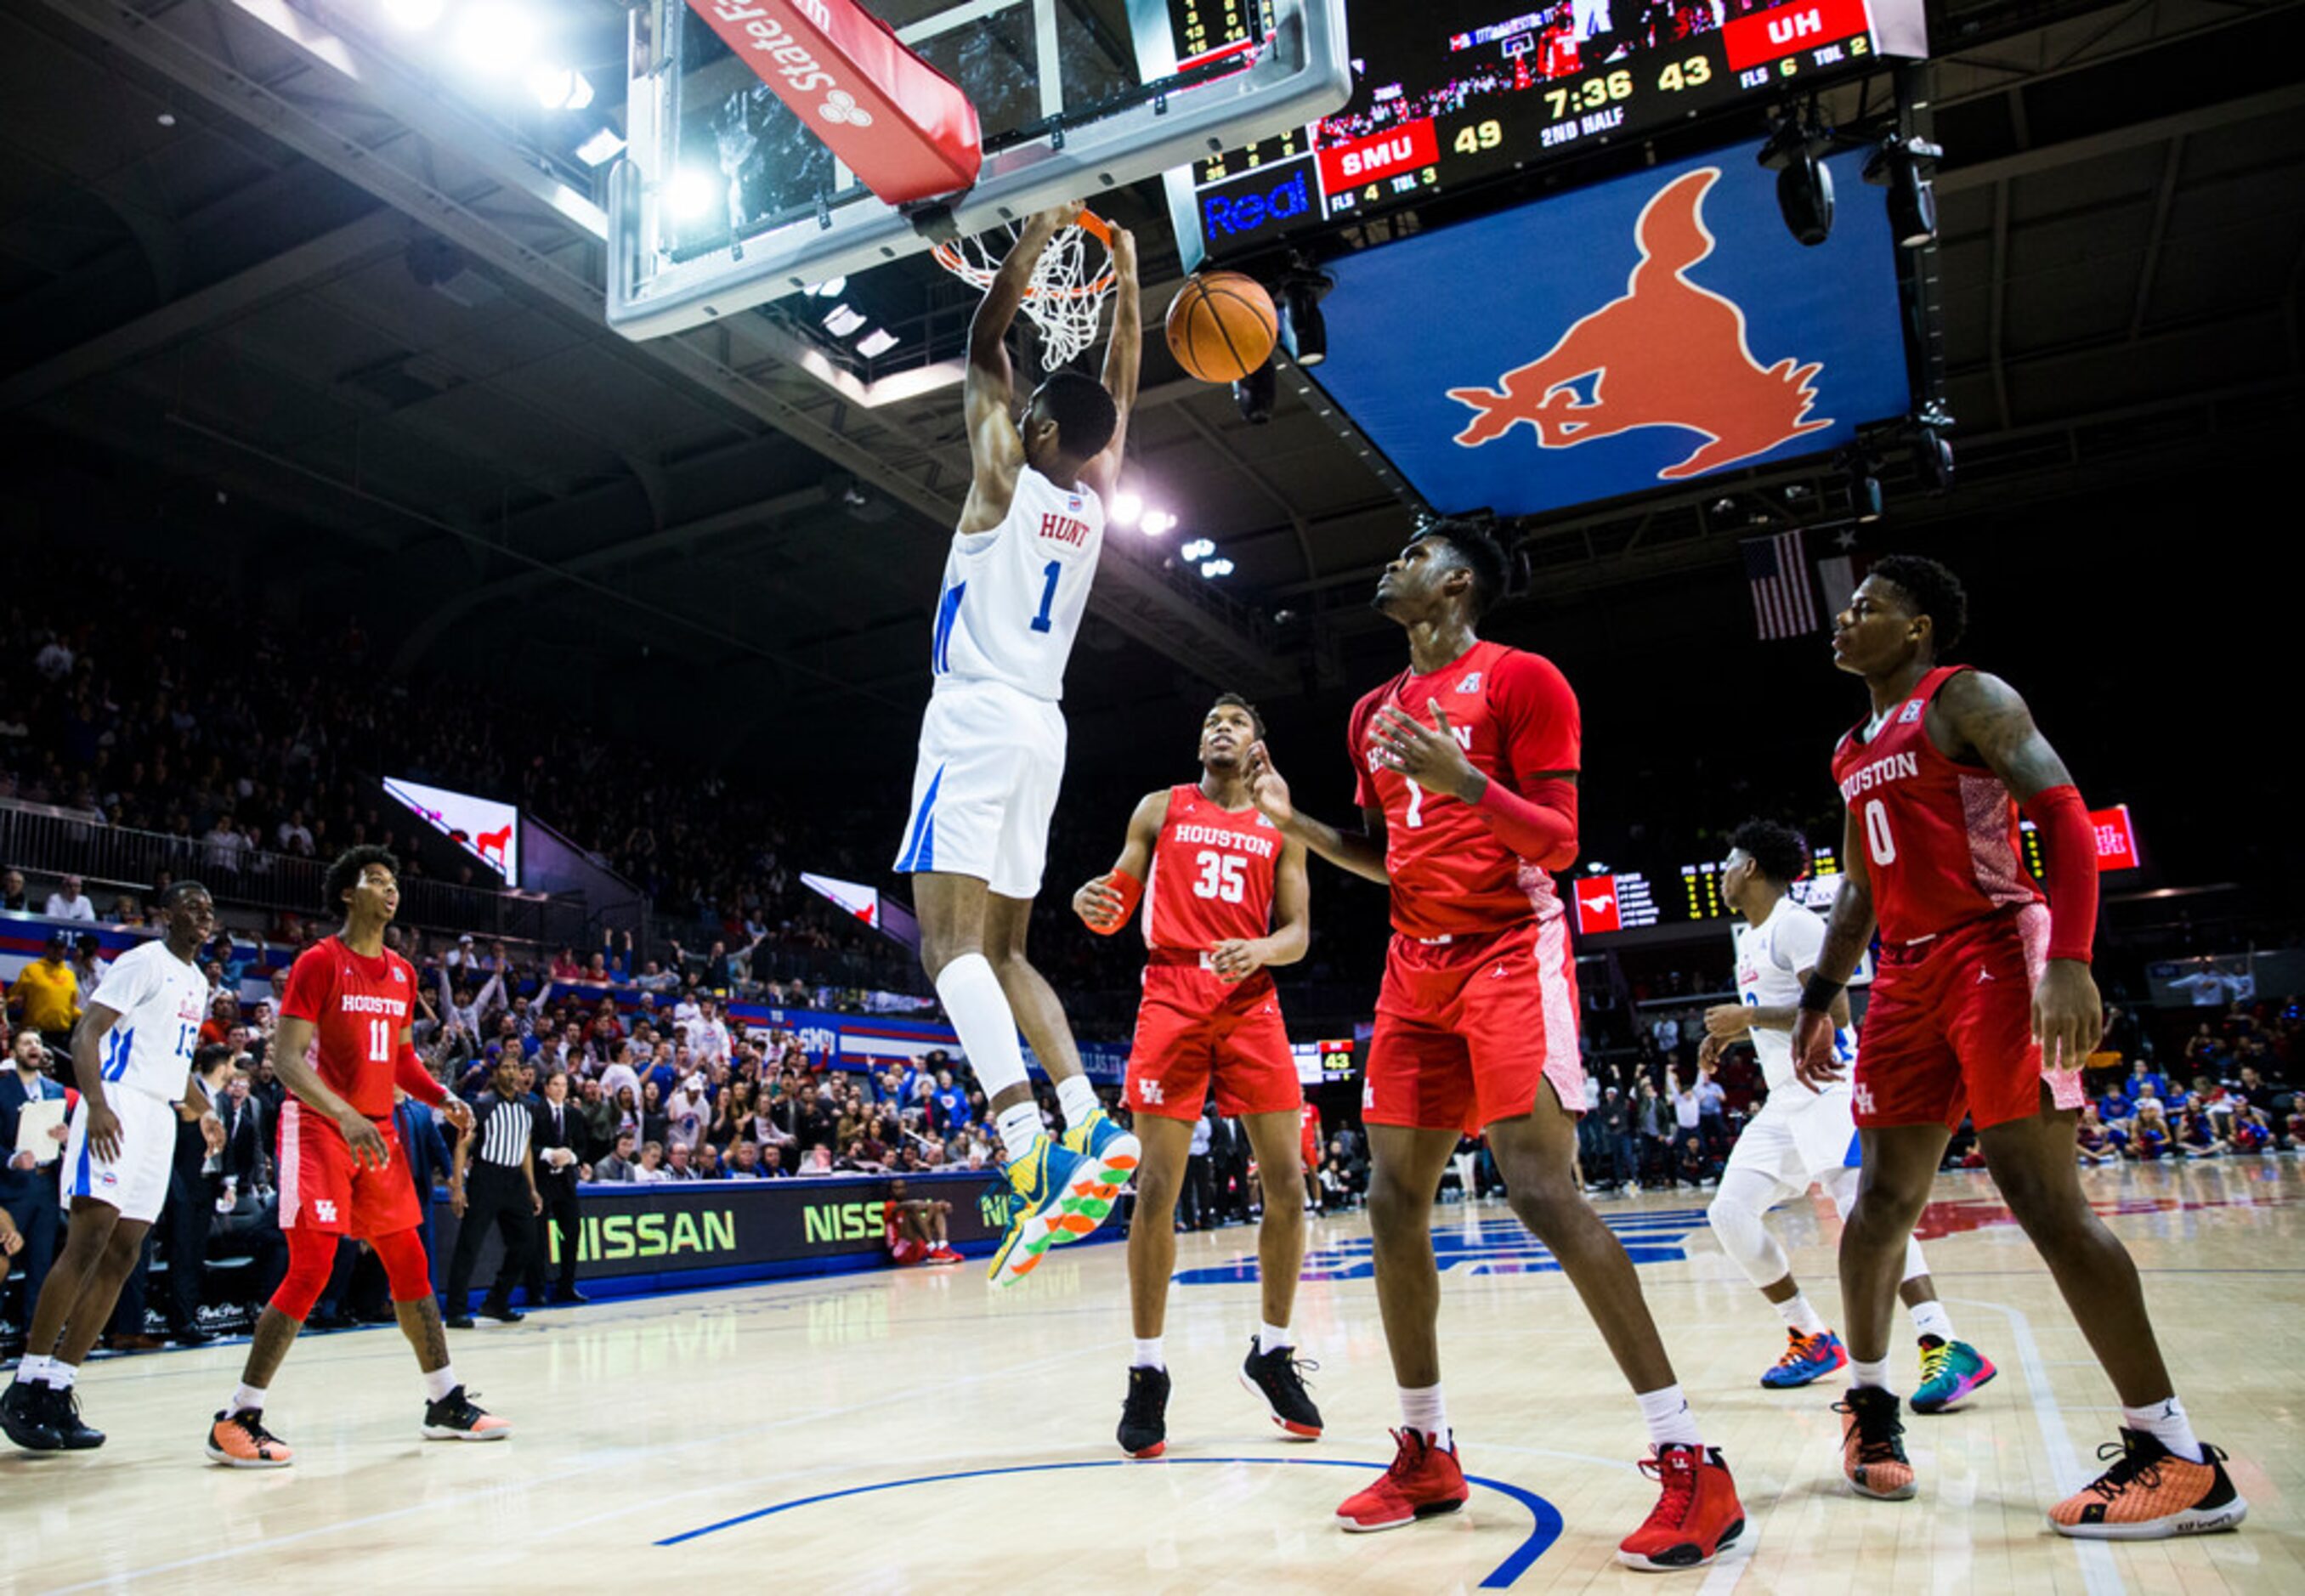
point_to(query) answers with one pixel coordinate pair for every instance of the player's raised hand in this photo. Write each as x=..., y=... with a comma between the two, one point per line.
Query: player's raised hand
x=103, y=1131
x=367, y=1143
x=1266, y=789
x=1100, y=904
x=2067, y=1016
x=1814, y=1064
x=1045, y=224
x=1124, y=251
x=1428, y=755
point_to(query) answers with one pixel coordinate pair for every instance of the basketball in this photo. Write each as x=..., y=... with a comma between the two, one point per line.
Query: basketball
x=1221, y=326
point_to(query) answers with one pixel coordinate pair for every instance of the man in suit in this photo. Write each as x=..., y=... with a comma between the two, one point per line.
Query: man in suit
x=562, y=1142
x=1229, y=1158
x=28, y=1181
x=246, y=1134
x=193, y=1181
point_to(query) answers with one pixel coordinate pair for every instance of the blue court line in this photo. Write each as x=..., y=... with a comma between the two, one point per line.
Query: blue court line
x=1540, y=1538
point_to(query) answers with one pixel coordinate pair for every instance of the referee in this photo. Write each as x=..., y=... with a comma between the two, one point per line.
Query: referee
x=503, y=1193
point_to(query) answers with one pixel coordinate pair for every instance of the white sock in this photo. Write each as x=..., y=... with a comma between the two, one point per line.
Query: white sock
x=1078, y=1098
x=1871, y=1376
x=1148, y=1354
x=1270, y=1336
x=246, y=1399
x=1930, y=1319
x=62, y=1375
x=1019, y=1127
x=1422, y=1408
x=979, y=1011
x=1799, y=1313
x=32, y=1369
x=438, y=1382
x=1670, y=1421
x=2165, y=1421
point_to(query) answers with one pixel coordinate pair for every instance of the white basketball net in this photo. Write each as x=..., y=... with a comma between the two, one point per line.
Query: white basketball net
x=1066, y=295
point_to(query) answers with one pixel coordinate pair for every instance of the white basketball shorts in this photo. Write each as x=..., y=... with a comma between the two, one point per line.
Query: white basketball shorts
x=1798, y=1138
x=992, y=760
x=136, y=1183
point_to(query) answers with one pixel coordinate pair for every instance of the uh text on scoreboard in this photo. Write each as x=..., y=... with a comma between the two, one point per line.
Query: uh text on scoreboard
x=1614, y=903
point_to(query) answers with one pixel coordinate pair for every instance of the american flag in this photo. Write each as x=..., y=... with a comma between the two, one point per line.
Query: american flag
x=1784, y=604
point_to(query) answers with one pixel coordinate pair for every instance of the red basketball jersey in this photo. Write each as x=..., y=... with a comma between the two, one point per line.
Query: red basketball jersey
x=1941, y=841
x=1212, y=870
x=359, y=1006
x=1515, y=717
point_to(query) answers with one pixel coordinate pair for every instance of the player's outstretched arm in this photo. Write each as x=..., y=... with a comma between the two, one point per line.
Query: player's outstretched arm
x=1105, y=903
x=87, y=1037
x=996, y=451
x=1363, y=855
x=1123, y=353
x=1847, y=931
x=290, y=1045
x=1983, y=716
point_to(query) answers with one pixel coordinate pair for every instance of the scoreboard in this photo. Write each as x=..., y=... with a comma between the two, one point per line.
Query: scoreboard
x=1319, y=1063
x=1453, y=93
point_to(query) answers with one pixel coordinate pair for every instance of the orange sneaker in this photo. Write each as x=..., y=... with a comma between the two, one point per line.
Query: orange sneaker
x=1423, y=1481
x=1697, y=1516
x=455, y=1417
x=1872, y=1445
x=239, y=1440
x=2151, y=1493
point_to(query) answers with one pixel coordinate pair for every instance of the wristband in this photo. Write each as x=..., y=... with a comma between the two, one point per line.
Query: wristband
x=1132, y=892
x=1816, y=997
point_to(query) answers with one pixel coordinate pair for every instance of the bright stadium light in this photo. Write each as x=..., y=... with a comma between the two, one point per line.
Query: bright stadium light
x=1212, y=569
x=560, y=88
x=601, y=148
x=876, y=342
x=842, y=321
x=415, y=15
x=830, y=288
x=1125, y=508
x=690, y=194
x=1199, y=549
x=496, y=39
x=1157, y=522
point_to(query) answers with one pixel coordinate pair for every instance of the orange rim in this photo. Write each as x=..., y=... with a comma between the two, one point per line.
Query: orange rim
x=1088, y=222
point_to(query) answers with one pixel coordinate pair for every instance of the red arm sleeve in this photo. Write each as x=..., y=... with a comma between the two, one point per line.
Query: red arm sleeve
x=409, y=1073
x=1543, y=733
x=309, y=981
x=2069, y=853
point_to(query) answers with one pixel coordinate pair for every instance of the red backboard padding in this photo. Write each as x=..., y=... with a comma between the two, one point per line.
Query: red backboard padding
x=904, y=128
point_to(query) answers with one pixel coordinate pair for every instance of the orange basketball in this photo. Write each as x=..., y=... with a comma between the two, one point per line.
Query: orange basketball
x=1221, y=327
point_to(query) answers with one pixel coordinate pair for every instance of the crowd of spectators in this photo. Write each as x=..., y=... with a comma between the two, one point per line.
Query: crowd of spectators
x=2228, y=1094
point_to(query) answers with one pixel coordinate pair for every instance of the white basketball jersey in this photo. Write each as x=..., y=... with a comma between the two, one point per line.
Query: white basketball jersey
x=161, y=1001
x=1014, y=597
x=1770, y=957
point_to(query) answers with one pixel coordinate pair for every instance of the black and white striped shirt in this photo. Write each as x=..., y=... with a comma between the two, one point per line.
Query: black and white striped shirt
x=502, y=1126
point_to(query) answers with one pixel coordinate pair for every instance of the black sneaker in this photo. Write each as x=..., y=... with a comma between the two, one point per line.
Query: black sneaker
x=190, y=1334
x=507, y=1314
x=1145, y=1413
x=1274, y=1376
x=457, y=1417
x=460, y=1322
x=23, y=1416
x=60, y=1408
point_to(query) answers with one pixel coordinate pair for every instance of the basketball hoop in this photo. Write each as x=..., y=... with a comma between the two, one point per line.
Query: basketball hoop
x=1063, y=300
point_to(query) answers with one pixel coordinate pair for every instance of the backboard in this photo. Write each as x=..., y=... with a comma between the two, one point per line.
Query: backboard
x=726, y=200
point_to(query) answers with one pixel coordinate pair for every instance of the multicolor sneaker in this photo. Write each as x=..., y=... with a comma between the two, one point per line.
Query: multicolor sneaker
x=1872, y=1445
x=2150, y=1493
x=1051, y=1198
x=1423, y=1482
x=1807, y=1358
x=239, y=1440
x=1949, y=1371
x=455, y=1417
x=1274, y=1378
x=1696, y=1515
x=1117, y=1153
x=1145, y=1413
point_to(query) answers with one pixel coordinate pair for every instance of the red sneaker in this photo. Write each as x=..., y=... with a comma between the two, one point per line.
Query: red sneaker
x=1423, y=1482
x=1698, y=1514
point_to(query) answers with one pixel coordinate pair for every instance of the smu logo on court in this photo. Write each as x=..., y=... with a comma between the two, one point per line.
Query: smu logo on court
x=1668, y=354
x=1477, y=1246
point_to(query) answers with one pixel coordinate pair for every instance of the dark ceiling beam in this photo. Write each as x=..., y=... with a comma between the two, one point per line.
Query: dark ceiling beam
x=2049, y=158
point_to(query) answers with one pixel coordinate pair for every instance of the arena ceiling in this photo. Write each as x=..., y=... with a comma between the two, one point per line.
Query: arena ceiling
x=341, y=336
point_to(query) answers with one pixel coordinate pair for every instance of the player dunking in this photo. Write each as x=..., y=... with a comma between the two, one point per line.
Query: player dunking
x=1984, y=1005
x=1225, y=899
x=133, y=1056
x=341, y=1170
x=1801, y=1137
x=1466, y=767
x=992, y=743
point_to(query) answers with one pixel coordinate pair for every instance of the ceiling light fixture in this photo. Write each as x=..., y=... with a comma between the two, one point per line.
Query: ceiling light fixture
x=690, y=194
x=1125, y=508
x=1156, y=523
x=843, y=319
x=1199, y=549
x=601, y=148
x=876, y=342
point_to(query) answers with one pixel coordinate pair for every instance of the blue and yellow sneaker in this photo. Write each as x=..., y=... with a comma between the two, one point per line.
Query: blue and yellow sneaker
x=1117, y=1154
x=1047, y=1187
x=1807, y=1358
x=1949, y=1371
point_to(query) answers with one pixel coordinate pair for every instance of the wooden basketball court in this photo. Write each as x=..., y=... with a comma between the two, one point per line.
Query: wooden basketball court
x=910, y=1431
